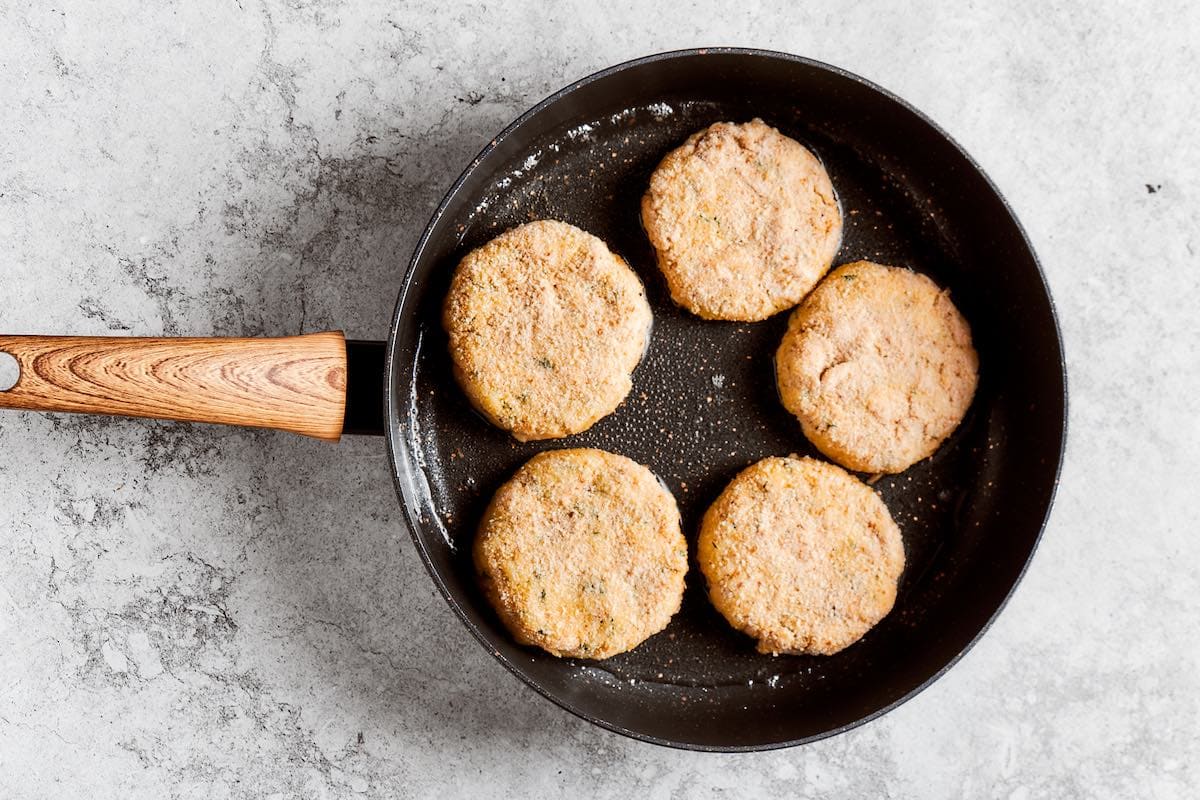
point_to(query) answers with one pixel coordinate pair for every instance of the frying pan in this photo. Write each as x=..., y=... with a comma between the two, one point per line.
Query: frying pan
x=703, y=404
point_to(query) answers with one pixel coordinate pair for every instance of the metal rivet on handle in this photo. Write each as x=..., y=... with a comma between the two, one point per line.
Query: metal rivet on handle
x=10, y=371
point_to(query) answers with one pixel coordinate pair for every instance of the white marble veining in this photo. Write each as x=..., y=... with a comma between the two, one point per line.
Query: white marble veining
x=204, y=612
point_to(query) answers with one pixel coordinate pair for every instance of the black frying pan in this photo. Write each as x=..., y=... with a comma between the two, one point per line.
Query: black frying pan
x=704, y=403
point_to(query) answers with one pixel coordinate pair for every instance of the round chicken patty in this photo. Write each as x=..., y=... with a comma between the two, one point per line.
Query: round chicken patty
x=744, y=220
x=801, y=555
x=878, y=366
x=546, y=326
x=581, y=553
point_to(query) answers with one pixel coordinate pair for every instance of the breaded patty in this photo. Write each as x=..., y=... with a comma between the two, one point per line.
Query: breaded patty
x=581, y=553
x=546, y=326
x=877, y=365
x=744, y=219
x=801, y=555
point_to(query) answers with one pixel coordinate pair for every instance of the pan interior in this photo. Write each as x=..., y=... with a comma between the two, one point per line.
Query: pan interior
x=704, y=403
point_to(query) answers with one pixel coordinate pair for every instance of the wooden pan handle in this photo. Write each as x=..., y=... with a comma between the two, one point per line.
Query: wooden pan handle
x=295, y=384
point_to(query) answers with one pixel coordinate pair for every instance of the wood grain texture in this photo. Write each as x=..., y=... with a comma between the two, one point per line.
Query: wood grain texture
x=293, y=384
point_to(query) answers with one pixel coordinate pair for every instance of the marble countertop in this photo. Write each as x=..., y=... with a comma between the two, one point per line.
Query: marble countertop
x=206, y=612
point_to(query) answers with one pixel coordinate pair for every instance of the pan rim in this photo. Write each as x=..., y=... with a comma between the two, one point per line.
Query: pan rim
x=393, y=427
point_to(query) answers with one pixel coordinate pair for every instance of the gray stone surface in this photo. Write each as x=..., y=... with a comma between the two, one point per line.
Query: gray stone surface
x=201, y=612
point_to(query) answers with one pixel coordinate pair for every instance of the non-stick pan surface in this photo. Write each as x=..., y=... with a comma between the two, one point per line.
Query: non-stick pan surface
x=704, y=402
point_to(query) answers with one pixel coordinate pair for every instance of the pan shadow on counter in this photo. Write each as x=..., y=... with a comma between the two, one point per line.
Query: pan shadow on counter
x=327, y=590
x=337, y=616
